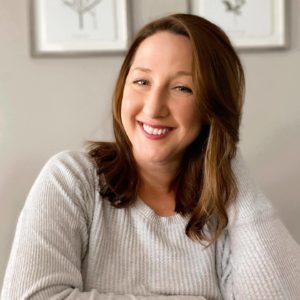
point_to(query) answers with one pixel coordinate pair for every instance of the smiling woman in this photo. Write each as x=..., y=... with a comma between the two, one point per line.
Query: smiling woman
x=159, y=113
x=168, y=211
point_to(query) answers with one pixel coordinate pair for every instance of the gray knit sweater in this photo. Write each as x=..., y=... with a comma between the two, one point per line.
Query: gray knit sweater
x=72, y=244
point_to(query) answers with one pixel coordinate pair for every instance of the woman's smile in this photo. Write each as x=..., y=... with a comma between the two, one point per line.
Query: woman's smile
x=155, y=132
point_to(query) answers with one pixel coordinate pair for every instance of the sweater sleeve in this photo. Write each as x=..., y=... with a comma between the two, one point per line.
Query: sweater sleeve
x=258, y=258
x=52, y=235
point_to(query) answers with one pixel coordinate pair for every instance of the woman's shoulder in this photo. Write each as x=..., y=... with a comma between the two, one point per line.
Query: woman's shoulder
x=72, y=158
x=69, y=170
x=67, y=180
x=75, y=164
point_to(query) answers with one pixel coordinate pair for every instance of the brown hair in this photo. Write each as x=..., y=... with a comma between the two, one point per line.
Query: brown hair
x=204, y=183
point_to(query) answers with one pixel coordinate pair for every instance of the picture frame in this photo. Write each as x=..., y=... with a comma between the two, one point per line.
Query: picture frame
x=250, y=24
x=78, y=27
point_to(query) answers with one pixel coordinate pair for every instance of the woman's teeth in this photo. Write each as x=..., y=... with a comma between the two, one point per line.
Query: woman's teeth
x=155, y=131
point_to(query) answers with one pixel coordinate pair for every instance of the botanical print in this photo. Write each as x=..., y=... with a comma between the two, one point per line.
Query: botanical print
x=82, y=7
x=234, y=6
x=254, y=23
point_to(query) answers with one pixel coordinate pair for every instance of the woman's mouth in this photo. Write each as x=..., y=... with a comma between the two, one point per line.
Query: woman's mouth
x=155, y=131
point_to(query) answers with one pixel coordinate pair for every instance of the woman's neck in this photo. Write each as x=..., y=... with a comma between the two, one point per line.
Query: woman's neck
x=154, y=186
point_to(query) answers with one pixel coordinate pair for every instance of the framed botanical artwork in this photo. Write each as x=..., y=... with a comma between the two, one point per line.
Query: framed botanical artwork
x=249, y=23
x=64, y=27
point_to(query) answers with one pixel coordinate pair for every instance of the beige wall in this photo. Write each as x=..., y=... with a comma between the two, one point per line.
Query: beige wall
x=48, y=105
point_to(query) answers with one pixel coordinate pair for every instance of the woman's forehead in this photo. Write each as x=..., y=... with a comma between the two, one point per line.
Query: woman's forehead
x=164, y=49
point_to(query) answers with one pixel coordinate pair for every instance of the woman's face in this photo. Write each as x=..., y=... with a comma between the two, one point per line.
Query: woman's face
x=158, y=111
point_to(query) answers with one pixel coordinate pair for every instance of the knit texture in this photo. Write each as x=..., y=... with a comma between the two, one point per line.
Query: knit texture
x=72, y=244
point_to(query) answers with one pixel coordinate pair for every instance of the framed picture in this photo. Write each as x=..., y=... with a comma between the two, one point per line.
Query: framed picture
x=64, y=27
x=249, y=23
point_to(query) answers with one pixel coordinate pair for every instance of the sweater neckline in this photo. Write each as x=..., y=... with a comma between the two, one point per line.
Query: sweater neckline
x=148, y=213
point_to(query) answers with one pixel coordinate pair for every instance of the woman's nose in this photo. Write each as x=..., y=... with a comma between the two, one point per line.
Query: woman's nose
x=155, y=104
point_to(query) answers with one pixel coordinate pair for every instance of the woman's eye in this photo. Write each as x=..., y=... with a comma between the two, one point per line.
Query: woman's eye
x=184, y=89
x=141, y=82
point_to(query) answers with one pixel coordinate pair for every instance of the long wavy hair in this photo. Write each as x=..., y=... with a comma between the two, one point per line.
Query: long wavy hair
x=205, y=182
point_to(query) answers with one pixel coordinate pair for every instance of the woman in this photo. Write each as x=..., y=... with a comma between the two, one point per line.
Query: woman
x=168, y=211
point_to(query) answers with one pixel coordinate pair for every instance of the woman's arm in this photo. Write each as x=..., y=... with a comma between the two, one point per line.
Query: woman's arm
x=94, y=295
x=257, y=256
x=52, y=235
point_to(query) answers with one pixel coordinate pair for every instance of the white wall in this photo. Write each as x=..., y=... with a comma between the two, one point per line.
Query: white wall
x=48, y=105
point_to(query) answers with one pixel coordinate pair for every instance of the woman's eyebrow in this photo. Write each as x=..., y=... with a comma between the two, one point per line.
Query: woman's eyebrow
x=184, y=73
x=142, y=69
x=147, y=70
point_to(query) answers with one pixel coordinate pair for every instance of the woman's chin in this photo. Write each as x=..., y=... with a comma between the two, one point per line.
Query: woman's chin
x=155, y=157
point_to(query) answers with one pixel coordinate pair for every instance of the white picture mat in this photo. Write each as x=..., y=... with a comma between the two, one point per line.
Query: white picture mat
x=261, y=23
x=59, y=28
